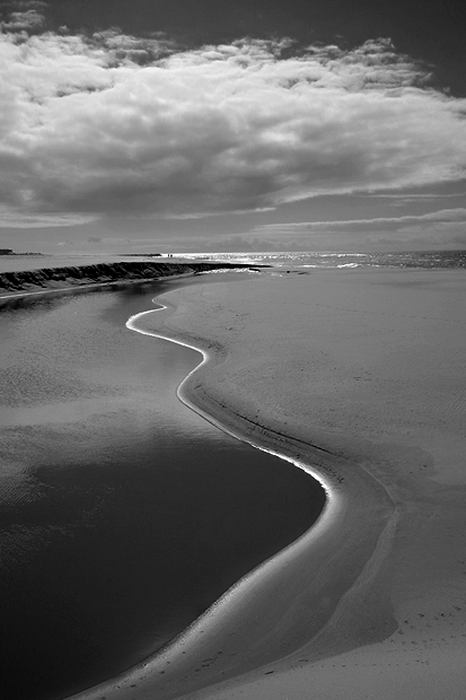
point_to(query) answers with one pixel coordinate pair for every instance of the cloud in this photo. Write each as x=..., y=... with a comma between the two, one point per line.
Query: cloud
x=443, y=216
x=444, y=219
x=9, y=218
x=26, y=15
x=95, y=126
x=413, y=197
x=121, y=48
x=443, y=228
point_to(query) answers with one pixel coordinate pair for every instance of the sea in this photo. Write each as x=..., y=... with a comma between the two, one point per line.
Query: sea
x=434, y=259
x=123, y=514
x=438, y=259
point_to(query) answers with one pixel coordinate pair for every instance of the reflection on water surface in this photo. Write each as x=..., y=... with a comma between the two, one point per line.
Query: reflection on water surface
x=123, y=514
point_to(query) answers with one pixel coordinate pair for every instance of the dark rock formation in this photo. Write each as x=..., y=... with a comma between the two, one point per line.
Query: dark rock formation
x=57, y=278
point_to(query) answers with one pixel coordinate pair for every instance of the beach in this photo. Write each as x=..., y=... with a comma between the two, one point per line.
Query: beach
x=358, y=374
x=232, y=350
x=109, y=489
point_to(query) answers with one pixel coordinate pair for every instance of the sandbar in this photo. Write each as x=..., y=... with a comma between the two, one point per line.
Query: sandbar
x=358, y=375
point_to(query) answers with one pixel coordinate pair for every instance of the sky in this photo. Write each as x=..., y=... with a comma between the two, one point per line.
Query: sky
x=201, y=125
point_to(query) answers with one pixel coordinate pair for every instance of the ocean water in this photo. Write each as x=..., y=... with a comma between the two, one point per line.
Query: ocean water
x=123, y=514
x=439, y=259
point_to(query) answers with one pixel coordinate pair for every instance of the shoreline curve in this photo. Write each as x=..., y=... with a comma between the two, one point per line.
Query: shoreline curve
x=206, y=358
x=242, y=614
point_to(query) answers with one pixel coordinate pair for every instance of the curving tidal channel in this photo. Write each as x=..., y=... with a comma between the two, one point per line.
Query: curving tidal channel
x=123, y=514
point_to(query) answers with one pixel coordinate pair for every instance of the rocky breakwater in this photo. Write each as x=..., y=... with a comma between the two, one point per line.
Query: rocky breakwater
x=63, y=278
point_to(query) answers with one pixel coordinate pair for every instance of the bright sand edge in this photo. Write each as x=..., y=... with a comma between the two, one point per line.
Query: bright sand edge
x=366, y=366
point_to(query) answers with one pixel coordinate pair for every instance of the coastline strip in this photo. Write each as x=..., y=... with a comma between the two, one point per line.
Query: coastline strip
x=366, y=363
x=131, y=324
x=264, y=611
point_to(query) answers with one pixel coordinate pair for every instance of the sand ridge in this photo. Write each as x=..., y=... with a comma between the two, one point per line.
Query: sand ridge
x=357, y=373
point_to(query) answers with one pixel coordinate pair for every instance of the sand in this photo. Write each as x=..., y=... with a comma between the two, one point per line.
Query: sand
x=359, y=374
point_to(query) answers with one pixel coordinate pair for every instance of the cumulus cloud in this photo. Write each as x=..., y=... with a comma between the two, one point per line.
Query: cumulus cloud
x=121, y=48
x=25, y=15
x=93, y=126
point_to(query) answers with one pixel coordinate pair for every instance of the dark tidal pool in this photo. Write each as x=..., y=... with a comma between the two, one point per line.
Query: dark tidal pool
x=123, y=514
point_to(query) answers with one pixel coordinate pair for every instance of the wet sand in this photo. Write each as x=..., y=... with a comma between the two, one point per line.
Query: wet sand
x=359, y=374
x=123, y=514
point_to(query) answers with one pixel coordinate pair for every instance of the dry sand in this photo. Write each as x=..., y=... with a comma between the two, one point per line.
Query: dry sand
x=362, y=374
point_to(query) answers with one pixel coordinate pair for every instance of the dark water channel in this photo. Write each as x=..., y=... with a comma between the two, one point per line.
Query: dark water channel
x=123, y=515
